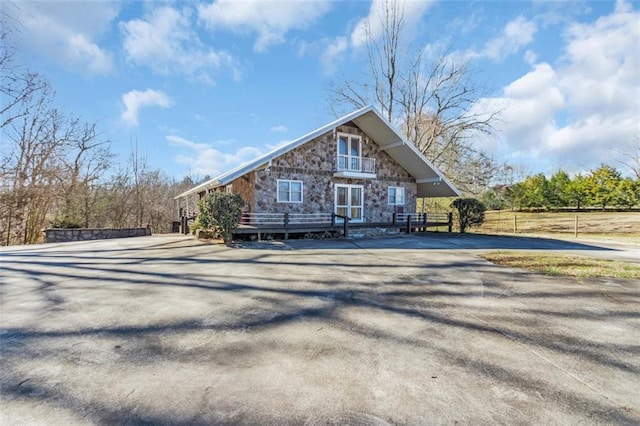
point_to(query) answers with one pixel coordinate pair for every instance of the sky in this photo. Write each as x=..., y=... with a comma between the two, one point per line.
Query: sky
x=202, y=86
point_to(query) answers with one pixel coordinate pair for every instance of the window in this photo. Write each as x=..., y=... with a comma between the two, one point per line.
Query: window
x=349, y=152
x=396, y=196
x=289, y=191
x=349, y=202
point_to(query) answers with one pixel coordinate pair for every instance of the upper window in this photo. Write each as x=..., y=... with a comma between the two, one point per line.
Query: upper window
x=349, y=152
x=289, y=191
x=396, y=196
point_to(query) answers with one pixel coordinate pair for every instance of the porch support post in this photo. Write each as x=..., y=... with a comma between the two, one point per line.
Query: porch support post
x=286, y=226
x=408, y=224
x=450, y=218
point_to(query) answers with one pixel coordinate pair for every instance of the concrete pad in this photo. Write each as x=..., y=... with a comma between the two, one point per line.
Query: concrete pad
x=167, y=329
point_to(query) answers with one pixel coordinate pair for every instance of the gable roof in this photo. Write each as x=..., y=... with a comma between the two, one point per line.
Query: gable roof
x=431, y=182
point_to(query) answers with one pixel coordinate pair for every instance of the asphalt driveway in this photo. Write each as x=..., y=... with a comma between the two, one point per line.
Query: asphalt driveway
x=416, y=330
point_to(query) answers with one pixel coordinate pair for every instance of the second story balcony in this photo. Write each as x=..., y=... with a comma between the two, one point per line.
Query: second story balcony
x=350, y=166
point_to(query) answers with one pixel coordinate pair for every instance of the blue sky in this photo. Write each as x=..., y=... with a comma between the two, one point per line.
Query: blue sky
x=204, y=86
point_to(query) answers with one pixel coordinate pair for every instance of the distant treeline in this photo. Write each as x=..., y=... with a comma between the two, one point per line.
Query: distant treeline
x=601, y=188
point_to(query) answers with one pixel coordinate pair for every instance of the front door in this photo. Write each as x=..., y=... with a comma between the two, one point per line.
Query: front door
x=349, y=202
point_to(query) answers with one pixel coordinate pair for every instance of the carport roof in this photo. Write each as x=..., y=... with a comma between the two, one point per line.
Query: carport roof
x=430, y=181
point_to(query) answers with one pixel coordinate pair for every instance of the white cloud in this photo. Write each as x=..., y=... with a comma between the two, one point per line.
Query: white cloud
x=584, y=110
x=165, y=41
x=530, y=57
x=330, y=57
x=371, y=27
x=515, y=35
x=67, y=32
x=279, y=129
x=204, y=159
x=373, y=24
x=602, y=68
x=136, y=99
x=271, y=20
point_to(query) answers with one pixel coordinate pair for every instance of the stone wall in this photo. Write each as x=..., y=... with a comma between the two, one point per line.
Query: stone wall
x=56, y=235
x=314, y=163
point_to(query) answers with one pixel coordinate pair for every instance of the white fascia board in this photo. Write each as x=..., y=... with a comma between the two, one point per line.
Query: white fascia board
x=210, y=184
x=417, y=152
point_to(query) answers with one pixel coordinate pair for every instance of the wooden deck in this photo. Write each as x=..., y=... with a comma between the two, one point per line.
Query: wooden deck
x=295, y=224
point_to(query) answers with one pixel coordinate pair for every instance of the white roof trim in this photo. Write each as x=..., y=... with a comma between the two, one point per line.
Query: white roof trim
x=241, y=170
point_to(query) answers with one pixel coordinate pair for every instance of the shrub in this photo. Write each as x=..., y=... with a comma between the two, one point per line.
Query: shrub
x=65, y=224
x=470, y=212
x=221, y=212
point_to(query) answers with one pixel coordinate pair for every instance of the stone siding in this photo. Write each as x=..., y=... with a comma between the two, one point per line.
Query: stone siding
x=56, y=235
x=314, y=163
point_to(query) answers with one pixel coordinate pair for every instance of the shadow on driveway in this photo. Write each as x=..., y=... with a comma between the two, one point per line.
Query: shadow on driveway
x=171, y=330
x=433, y=241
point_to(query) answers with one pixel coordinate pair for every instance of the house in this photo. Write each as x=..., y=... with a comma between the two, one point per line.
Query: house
x=357, y=166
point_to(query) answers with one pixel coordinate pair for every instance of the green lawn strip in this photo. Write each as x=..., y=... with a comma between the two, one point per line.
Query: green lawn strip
x=565, y=265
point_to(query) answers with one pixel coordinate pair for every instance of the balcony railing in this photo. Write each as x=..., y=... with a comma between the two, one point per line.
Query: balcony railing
x=348, y=163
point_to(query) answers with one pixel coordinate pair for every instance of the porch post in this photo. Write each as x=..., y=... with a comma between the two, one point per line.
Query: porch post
x=286, y=226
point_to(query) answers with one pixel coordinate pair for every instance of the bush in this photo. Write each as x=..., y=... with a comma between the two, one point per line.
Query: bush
x=470, y=212
x=221, y=212
x=65, y=224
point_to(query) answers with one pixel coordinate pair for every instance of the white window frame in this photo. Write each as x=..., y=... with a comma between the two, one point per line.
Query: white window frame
x=349, y=206
x=289, y=200
x=350, y=139
x=397, y=189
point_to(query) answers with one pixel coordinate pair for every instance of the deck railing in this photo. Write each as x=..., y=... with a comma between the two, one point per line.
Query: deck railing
x=419, y=217
x=312, y=222
x=348, y=163
x=286, y=218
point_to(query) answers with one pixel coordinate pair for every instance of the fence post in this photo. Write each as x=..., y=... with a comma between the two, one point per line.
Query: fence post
x=575, y=227
x=424, y=220
x=408, y=224
x=286, y=225
x=345, y=226
x=450, y=220
x=515, y=223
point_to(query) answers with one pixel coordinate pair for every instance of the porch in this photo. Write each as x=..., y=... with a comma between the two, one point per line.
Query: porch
x=286, y=224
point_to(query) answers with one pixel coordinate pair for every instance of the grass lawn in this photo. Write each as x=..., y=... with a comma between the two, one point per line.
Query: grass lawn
x=607, y=225
x=565, y=265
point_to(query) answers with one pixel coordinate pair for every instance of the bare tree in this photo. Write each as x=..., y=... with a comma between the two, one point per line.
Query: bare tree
x=16, y=85
x=30, y=168
x=50, y=163
x=631, y=158
x=432, y=99
x=138, y=170
x=89, y=160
